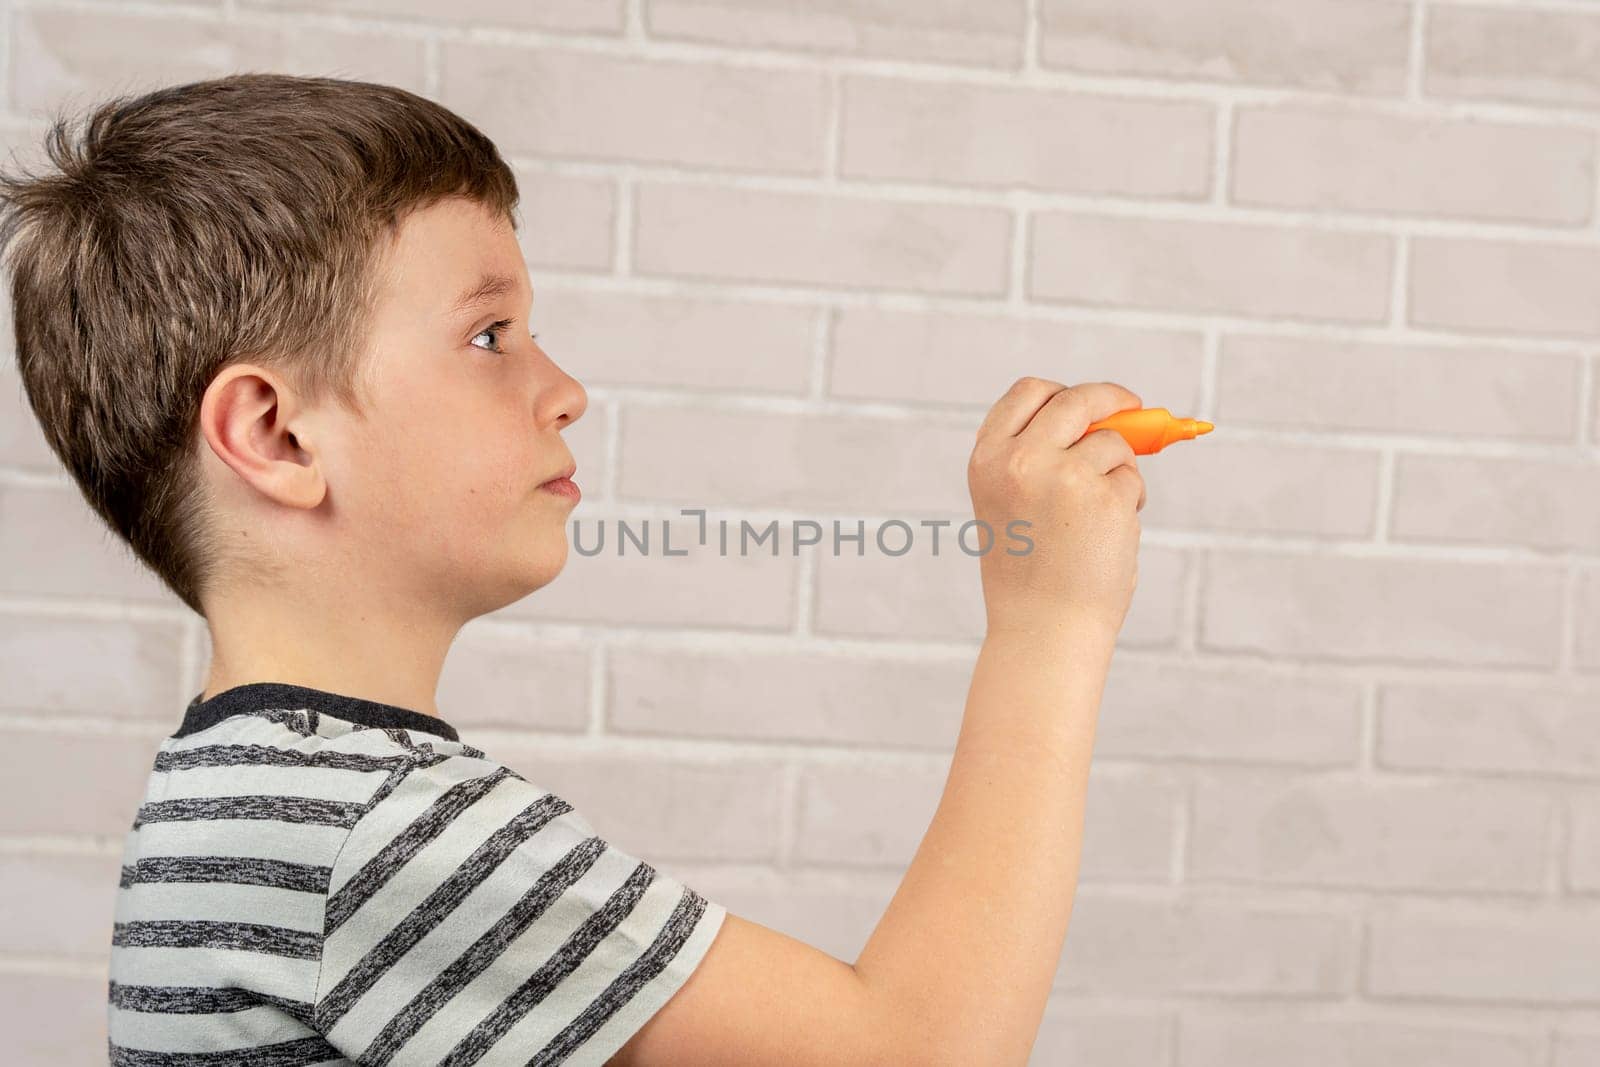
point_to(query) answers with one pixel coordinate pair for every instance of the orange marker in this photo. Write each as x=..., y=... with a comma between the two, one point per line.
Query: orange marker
x=1151, y=429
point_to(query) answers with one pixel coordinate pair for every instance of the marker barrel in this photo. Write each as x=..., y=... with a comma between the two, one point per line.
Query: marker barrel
x=1149, y=430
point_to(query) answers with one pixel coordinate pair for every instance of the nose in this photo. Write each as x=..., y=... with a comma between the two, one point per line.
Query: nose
x=562, y=399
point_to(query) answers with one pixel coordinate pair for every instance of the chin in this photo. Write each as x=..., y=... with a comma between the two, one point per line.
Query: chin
x=535, y=571
x=539, y=553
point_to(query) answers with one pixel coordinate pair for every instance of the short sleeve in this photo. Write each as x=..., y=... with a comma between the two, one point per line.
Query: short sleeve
x=472, y=914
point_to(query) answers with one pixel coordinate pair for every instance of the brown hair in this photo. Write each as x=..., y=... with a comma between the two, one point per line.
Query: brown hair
x=199, y=225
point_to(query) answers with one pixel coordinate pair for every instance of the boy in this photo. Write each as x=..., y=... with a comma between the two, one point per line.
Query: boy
x=248, y=313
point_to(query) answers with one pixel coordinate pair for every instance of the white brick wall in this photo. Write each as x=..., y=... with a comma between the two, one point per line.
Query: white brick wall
x=1346, y=801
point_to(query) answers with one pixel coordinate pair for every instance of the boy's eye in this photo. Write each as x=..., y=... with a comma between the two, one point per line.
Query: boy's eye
x=494, y=328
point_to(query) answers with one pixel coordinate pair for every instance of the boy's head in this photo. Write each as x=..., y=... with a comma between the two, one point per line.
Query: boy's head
x=234, y=311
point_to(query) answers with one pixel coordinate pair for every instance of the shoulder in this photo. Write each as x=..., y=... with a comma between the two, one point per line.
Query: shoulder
x=495, y=907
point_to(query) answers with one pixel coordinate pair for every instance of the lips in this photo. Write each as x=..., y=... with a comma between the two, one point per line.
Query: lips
x=572, y=468
x=562, y=484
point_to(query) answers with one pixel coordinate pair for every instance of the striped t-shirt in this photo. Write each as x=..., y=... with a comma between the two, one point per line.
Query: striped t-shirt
x=314, y=878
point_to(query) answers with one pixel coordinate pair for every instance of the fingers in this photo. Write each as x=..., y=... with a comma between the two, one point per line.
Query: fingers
x=1063, y=418
x=1016, y=409
x=1131, y=482
x=1057, y=415
x=1013, y=410
x=1104, y=451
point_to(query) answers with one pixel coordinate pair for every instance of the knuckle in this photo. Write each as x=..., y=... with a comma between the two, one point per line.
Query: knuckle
x=1001, y=464
x=1076, y=473
x=1020, y=466
x=1070, y=403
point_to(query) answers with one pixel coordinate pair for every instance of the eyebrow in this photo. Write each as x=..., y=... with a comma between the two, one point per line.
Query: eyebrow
x=487, y=288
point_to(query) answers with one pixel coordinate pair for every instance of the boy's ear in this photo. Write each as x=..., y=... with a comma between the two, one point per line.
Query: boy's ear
x=244, y=417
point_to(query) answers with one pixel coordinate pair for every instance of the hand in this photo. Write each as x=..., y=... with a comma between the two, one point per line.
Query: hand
x=1080, y=494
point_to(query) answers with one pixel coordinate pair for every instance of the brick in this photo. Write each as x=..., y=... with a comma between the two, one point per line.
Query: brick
x=1588, y=622
x=919, y=595
x=1234, y=268
x=56, y=546
x=1575, y=1048
x=1342, y=832
x=679, y=341
x=843, y=242
x=564, y=222
x=971, y=360
x=1374, y=608
x=55, y=1019
x=1494, y=728
x=62, y=56
x=806, y=461
x=59, y=905
x=115, y=669
x=866, y=816
x=1463, y=392
x=1594, y=408
x=1348, y=46
x=981, y=35
x=1178, y=711
x=1533, y=56
x=1583, y=857
x=586, y=16
x=117, y=765
x=1202, y=945
x=492, y=678
x=1044, y=140
x=1103, y=1036
x=663, y=809
x=1303, y=490
x=1504, y=286
x=1541, y=504
x=1131, y=819
x=1288, y=1034
x=754, y=591
x=587, y=105
x=1153, y=620
x=902, y=702
x=1541, y=957
x=23, y=142
x=1341, y=159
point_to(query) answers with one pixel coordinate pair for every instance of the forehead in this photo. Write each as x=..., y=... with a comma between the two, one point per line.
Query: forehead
x=447, y=253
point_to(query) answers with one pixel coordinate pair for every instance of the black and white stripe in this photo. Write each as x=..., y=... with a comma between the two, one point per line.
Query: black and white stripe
x=313, y=878
x=234, y=870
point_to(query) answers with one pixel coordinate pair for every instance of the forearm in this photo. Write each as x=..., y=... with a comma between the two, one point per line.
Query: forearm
x=967, y=949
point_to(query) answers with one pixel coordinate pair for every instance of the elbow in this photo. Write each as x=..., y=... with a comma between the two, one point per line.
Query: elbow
x=914, y=1031
x=909, y=1039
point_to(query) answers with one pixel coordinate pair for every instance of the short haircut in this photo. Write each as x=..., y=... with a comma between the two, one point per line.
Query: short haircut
x=200, y=225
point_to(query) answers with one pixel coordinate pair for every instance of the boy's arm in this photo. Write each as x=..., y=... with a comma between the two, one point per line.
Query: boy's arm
x=960, y=966
x=969, y=946
x=760, y=996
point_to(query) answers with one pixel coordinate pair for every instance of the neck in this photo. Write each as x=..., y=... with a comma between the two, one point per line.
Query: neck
x=390, y=653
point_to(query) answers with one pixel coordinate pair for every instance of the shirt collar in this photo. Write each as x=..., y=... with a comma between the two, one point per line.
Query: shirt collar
x=262, y=696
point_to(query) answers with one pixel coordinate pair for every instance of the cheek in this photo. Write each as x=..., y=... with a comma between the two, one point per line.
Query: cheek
x=456, y=462
x=479, y=468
